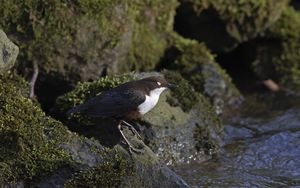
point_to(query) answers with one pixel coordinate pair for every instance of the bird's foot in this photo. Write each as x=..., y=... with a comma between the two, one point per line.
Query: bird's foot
x=133, y=130
x=133, y=149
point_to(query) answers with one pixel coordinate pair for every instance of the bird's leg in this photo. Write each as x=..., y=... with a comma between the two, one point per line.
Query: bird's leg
x=131, y=148
x=132, y=129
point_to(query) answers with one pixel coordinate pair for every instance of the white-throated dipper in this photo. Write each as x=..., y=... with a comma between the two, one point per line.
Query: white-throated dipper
x=128, y=101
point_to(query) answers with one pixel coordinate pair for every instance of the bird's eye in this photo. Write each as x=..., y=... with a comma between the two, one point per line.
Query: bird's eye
x=158, y=83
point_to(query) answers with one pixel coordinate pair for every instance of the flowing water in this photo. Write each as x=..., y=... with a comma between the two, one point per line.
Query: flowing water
x=259, y=151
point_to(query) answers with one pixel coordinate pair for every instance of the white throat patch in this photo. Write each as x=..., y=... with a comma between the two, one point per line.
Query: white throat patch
x=151, y=100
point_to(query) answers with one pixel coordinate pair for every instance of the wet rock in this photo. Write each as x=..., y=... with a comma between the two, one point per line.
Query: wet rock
x=8, y=53
x=183, y=126
x=224, y=25
x=260, y=150
x=141, y=169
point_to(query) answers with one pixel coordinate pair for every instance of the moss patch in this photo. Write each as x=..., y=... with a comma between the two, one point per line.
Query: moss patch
x=184, y=96
x=110, y=173
x=88, y=34
x=278, y=55
x=29, y=139
x=197, y=64
x=222, y=25
x=84, y=91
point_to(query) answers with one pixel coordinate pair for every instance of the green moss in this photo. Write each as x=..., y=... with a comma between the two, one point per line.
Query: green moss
x=243, y=17
x=204, y=140
x=191, y=55
x=187, y=98
x=197, y=64
x=154, y=21
x=71, y=39
x=278, y=58
x=185, y=92
x=29, y=139
x=286, y=63
x=110, y=173
x=84, y=91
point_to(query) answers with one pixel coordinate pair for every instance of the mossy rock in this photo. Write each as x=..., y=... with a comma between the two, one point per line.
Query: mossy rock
x=38, y=151
x=222, y=25
x=29, y=139
x=195, y=62
x=183, y=112
x=119, y=169
x=8, y=53
x=175, y=127
x=276, y=53
x=83, y=40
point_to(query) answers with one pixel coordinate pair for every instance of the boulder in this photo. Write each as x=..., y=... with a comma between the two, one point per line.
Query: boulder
x=195, y=62
x=38, y=151
x=275, y=54
x=8, y=53
x=80, y=41
x=182, y=127
x=223, y=25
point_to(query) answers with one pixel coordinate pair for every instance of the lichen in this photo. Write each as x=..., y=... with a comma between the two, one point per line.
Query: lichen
x=29, y=139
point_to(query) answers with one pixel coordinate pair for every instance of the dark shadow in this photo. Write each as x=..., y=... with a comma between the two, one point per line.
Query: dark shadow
x=48, y=88
x=9, y=145
x=104, y=130
x=205, y=27
x=167, y=60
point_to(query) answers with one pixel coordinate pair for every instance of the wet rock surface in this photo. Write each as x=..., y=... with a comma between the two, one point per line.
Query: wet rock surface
x=259, y=151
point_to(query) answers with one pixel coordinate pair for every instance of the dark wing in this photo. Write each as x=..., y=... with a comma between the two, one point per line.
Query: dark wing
x=113, y=103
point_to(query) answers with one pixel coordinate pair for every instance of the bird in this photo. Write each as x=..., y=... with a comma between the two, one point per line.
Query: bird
x=128, y=101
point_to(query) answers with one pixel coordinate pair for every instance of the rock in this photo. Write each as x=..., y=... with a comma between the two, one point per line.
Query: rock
x=29, y=139
x=85, y=40
x=181, y=128
x=197, y=64
x=275, y=55
x=223, y=25
x=8, y=53
x=38, y=151
x=124, y=170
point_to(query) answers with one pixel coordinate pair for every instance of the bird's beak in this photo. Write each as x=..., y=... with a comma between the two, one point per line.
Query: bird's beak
x=172, y=86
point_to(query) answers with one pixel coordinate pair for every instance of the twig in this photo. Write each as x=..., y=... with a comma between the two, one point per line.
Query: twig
x=33, y=78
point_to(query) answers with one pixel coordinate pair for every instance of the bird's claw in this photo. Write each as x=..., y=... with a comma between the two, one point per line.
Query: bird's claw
x=131, y=149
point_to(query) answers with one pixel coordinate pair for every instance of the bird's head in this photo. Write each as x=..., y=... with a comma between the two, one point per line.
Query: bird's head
x=157, y=82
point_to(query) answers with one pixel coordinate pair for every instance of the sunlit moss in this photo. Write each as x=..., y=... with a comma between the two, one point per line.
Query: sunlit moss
x=64, y=36
x=29, y=139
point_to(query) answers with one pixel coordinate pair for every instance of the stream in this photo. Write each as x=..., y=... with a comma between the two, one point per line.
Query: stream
x=261, y=150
